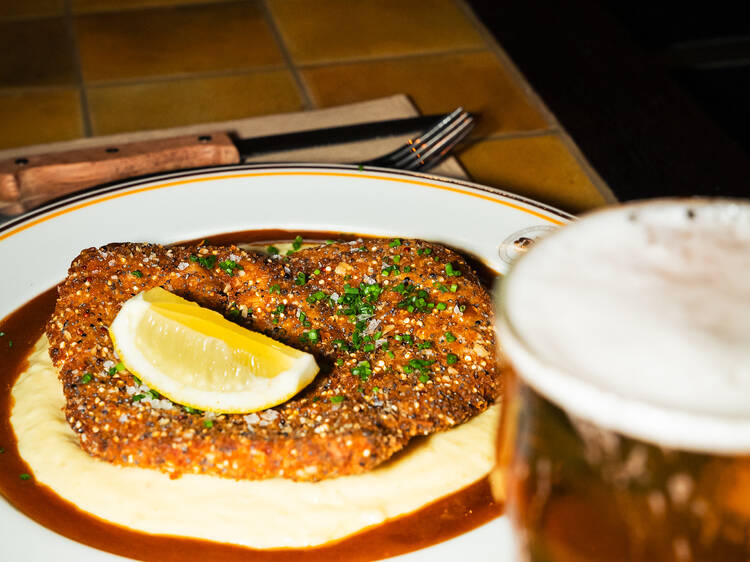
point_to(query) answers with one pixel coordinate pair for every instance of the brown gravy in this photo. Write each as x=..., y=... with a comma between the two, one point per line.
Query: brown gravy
x=443, y=519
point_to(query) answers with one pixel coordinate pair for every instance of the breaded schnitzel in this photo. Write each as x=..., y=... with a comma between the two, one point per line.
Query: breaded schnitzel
x=402, y=331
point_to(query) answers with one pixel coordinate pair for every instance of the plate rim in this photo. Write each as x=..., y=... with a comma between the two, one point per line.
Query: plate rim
x=8, y=228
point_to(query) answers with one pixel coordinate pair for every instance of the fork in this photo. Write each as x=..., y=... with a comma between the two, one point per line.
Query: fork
x=427, y=149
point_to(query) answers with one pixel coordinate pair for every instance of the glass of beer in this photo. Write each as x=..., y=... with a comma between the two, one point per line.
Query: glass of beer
x=626, y=423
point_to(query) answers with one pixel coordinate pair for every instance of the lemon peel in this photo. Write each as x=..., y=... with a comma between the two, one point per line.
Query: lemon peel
x=196, y=357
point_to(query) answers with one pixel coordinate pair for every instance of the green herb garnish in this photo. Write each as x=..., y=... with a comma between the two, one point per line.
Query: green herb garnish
x=337, y=399
x=449, y=337
x=230, y=266
x=451, y=358
x=137, y=272
x=86, y=378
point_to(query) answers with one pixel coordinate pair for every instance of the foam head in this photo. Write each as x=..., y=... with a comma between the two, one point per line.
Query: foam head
x=638, y=319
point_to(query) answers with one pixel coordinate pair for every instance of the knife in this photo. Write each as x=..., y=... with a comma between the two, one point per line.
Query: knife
x=29, y=181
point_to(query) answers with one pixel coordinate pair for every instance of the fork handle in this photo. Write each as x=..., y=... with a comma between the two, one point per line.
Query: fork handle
x=26, y=182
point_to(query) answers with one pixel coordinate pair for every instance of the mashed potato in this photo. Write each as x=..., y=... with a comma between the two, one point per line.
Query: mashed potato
x=259, y=514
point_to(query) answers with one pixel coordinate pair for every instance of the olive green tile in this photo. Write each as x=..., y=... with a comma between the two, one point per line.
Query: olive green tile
x=84, y=6
x=175, y=41
x=436, y=83
x=18, y=9
x=539, y=167
x=35, y=53
x=171, y=103
x=335, y=30
x=39, y=116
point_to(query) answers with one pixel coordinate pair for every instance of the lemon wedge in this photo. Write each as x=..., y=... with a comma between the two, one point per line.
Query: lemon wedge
x=197, y=358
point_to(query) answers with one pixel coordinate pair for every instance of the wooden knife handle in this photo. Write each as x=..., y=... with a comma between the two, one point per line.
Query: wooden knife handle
x=27, y=182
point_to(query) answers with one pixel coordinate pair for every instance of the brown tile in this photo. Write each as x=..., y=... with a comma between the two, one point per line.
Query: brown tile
x=39, y=116
x=334, y=30
x=540, y=167
x=173, y=41
x=171, y=103
x=35, y=53
x=18, y=9
x=85, y=6
x=436, y=83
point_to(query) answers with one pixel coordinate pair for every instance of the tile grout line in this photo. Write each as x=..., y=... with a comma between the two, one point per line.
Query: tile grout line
x=157, y=78
x=599, y=184
x=388, y=58
x=302, y=88
x=88, y=129
x=269, y=68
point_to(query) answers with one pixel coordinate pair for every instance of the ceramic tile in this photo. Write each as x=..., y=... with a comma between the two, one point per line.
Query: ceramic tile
x=35, y=53
x=435, y=83
x=34, y=117
x=539, y=167
x=171, y=103
x=86, y=6
x=175, y=41
x=336, y=30
x=18, y=9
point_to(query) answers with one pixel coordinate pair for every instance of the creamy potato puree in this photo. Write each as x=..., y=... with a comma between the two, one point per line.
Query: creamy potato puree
x=259, y=514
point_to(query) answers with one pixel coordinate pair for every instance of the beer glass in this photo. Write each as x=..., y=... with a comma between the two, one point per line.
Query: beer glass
x=626, y=422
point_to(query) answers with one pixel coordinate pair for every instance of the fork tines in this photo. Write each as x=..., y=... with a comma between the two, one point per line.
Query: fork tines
x=428, y=148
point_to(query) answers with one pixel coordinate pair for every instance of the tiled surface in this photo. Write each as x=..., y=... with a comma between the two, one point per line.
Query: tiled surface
x=174, y=41
x=431, y=82
x=338, y=30
x=196, y=100
x=39, y=116
x=21, y=9
x=84, y=6
x=539, y=167
x=35, y=53
x=71, y=68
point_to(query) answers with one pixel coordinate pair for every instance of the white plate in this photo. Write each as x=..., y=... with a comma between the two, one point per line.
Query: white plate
x=36, y=250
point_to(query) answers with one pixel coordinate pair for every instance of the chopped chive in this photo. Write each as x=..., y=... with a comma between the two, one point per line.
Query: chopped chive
x=229, y=267
x=86, y=378
x=297, y=244
x=407, y=269
x=337, y=399
x=329, y=242
x=441, y=306
x=301, y=279
x=449, y=337
x=119, y=367
x=137, y=272
x=454, y=288
x=395, y=242
x=424, y=345
x=424, y=378
x=273, y=250
x=375, y=390
x=451, y=358
x=360, y=167
x=206, y=261
x=369, y=347
x=462, y=307
x=275, y=288
x=137, y=380
x=316, y=272
x=138, y=397
x=339, y=361
x=313, y=336
x=390, y=354
x=25, y=476
x=208, y=423
x=396, y=258
x=190, y=410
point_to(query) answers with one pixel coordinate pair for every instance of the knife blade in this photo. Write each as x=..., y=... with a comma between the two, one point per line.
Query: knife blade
x=29, y=181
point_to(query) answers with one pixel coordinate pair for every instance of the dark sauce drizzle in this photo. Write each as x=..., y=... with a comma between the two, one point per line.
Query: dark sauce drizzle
x=441, y=520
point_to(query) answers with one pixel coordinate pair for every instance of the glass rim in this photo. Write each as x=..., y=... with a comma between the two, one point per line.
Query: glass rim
x=585, y=400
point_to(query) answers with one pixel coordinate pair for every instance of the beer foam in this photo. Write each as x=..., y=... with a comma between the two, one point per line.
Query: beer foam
x=638, y=319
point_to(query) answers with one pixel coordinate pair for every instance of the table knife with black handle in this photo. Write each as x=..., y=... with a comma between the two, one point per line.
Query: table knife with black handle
x=26, y=182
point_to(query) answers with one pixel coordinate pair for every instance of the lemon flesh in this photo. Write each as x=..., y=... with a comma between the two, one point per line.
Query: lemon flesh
x=196, y=357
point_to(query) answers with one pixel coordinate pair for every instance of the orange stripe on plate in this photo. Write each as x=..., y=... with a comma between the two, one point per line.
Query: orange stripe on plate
x=260, y=174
